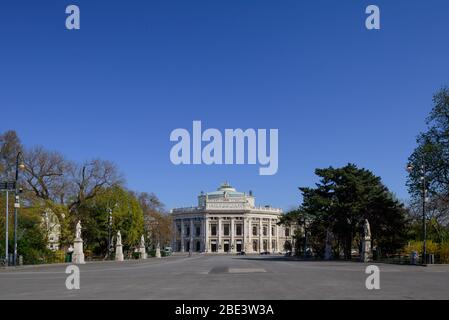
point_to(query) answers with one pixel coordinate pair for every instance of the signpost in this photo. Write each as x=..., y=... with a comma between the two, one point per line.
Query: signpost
x=7, y=186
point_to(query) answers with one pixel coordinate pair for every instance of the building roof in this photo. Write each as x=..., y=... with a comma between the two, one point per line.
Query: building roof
x=227, y=189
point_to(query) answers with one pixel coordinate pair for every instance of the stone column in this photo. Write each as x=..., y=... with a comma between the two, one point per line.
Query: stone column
x=249, y=234
x=260, y=235
x=232, y=247
x=278, y=248
x=219, y=245
x=206, y=234
x=78, y=253
x=192, y=233
x=270, y=249
x=182, y=236
x=175, y=231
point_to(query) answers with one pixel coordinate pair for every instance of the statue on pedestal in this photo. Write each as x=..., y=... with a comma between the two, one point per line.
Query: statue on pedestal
x=119, y=248
x=328, y=248
x=366, y=243
x=143, y=253
x=78, y=254
x=158, y=250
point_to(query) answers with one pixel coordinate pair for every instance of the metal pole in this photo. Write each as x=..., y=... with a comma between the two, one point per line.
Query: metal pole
x=16, y=207
x=7, y=230
x=424, y=229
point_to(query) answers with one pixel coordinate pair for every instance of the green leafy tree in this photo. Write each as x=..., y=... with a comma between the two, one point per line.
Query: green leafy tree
x=432, y=152
x=31, y=239
x=341, y=202
x=127, y=216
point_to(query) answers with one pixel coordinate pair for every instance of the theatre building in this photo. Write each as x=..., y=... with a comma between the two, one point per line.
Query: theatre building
x=229, y=221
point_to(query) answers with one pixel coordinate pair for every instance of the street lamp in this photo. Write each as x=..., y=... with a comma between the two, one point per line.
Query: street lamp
x=17, y=191
x=410, y=169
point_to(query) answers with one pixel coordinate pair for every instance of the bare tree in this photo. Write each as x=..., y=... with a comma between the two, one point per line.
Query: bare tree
x=90, y=177
x=45, y=174
x=158, y=224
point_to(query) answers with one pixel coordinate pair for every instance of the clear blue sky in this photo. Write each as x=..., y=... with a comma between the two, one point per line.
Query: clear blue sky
x=139, y=69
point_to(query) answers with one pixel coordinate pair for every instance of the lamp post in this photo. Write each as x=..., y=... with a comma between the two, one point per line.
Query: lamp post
x=17, y=191
x=110, y=246
x=7, y=186
x=6, y=230
x=410, y=169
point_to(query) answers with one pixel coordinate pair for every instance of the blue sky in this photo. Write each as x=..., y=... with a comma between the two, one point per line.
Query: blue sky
x=136, y=70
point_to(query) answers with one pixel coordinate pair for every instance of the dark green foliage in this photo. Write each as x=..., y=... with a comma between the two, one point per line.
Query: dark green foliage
x=341, y=202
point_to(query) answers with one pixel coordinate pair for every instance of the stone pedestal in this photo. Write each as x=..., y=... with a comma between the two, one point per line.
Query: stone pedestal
x=328, y=252
x=119, y=253
x=366, y=250
x=143, y=253
x=158, y=252
x=78, y=254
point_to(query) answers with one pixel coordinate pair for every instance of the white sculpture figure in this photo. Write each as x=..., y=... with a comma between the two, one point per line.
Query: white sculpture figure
x=367, y=230
x=78, y=230
x=158, y=251
x=119, y=238
x=119, y=248
x=143, y=253
x=78, y=254
x=366, y=243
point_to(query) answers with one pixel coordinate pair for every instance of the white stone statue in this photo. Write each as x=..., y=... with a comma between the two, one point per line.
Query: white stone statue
x=78, y=254
x=366, y=243
x=119, y=248
x=142, y=250
x=119, y=239
x=78, y=230
x=367, y=230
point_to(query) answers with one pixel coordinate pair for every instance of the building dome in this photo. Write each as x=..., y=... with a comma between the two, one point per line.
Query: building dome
x=225, y=190
x=226, y=187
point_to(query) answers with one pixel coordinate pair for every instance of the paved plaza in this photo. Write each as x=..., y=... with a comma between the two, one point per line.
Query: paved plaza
x=204, y=277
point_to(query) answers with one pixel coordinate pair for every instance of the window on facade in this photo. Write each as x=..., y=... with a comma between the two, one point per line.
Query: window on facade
x=188, y=231
x=287, y=232
x=214, y=230
x=226, y=229
x=264, y=231
x=254, y=231
x=273, y=231
x=198, y=231
x=238, y=230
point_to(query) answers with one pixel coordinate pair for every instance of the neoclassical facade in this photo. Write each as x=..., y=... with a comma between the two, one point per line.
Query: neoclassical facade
x=229, y=221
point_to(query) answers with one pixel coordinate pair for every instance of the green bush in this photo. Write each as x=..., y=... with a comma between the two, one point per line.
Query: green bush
x=444, y=252
x=439, y=250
